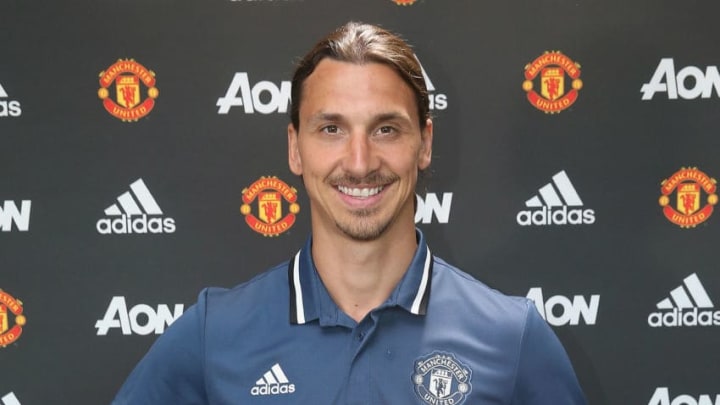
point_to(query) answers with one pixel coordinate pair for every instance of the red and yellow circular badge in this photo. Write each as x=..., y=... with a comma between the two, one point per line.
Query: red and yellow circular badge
x=127, y=80
x=688, y=186
x=10, y=329
x=270, y=192
x=550, y=72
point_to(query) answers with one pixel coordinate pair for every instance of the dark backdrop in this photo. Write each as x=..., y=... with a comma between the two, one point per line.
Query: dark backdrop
x=93, y=302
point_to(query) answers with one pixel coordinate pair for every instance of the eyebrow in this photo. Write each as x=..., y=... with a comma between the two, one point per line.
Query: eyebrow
x=336, y=117
x=392, y=116
x=322, y=117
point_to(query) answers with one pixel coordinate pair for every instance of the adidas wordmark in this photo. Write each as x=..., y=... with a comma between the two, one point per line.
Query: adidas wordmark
x=273, y=382
x=136, y=211
x=688, y=305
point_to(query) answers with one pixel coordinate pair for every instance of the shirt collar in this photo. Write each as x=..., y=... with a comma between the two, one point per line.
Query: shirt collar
x=310, y=300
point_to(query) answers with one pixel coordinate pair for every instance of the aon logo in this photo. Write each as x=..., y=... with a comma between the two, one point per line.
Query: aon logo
x=431, y=206
x=689, y=83
x=264, y=97
x=559, y=310
x=141, y=319
x=662, y=397
x=10, y=214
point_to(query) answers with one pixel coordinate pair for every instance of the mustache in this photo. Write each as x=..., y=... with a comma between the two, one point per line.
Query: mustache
x=372, y=178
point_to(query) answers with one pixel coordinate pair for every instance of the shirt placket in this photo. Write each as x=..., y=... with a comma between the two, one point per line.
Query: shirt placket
x=359, y=381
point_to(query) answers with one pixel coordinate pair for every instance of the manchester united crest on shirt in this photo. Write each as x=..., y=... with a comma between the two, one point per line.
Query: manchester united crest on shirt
x=441, y=379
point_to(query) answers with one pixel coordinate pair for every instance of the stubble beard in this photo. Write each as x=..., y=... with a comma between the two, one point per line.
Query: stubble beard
x=362, y=227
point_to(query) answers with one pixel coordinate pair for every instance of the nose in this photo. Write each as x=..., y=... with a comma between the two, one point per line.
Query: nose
x=360, y=157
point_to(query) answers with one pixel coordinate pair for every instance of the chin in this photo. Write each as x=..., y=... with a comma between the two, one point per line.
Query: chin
x=362, y=228
x=364, y=232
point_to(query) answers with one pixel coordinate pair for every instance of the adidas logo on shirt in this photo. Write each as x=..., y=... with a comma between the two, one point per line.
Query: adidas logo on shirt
x=273, y=382
x=136, y=211
x=557, y=204
x=688, y=305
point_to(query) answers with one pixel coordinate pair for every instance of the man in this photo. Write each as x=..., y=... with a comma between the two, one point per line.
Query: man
x=363, y=314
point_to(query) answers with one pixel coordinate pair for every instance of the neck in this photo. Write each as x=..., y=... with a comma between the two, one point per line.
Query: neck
x=361, y=275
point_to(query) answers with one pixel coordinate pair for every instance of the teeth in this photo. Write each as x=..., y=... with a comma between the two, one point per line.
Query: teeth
x=360, y=192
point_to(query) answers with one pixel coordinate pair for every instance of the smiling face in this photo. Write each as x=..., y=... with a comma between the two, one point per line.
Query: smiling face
x=359, y=148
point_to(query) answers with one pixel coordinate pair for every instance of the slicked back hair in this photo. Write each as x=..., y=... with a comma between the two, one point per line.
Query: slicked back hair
x=360, y=43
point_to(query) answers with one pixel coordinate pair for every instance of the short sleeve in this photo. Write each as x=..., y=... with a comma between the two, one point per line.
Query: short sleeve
x=545, y=375
x=172, y=371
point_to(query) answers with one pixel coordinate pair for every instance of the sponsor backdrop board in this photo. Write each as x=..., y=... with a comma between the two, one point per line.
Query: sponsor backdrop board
x=144, y=158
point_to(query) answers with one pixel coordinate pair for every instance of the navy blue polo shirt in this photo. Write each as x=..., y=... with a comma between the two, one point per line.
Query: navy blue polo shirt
x=441, y=338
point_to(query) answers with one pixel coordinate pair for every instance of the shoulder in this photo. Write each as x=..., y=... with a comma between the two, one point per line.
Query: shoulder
x=174, y=370
x=471, y=308
x=272, y=278
x=451, y=283
x=511, y=325
x=268, y=290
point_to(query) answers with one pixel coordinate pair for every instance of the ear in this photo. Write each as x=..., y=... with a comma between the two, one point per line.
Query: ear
x=294, y=160
x=426, y=137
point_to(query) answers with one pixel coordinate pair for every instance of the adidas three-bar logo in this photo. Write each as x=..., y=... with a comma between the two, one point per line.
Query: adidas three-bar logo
x=543, y=208
x=136, y=211
x=128, y=204
x=551, y=198
x=273, y=382
x=688, y=305
x=681, y=298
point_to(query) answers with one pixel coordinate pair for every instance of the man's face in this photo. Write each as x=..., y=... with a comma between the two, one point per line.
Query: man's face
x=359, y=148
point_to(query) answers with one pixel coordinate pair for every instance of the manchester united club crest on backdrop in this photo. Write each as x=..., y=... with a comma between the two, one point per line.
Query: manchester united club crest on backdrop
x=558, y=79
x=441, y=379
x=689, y=208
x=11, y=319
x=128, y=90
x=269, y=192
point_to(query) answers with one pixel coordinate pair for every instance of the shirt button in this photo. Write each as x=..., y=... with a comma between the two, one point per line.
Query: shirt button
x=360, y=336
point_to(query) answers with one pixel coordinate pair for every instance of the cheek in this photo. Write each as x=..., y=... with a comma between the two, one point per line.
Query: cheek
x=313, y=166
x=320, y=159
x=407, y=173
x=413, y=161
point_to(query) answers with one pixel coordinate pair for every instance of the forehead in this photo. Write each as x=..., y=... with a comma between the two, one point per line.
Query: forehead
x=336, y=85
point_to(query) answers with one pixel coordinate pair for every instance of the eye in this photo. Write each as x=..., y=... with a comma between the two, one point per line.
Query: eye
x=386, y=130
x=330, y=129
